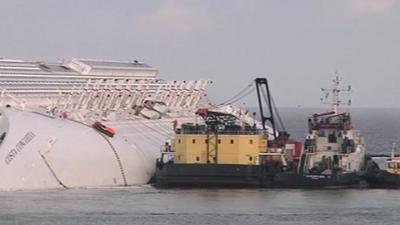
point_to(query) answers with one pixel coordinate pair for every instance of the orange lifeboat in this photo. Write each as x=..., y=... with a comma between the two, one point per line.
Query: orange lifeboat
x=109, y=131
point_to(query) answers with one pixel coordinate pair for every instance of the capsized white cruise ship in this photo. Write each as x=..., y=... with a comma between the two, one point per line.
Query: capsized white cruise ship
x=48, y=112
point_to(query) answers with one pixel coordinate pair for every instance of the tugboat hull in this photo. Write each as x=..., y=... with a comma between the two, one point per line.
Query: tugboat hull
x=213, y=175
x=294, y=180
x=383, y=179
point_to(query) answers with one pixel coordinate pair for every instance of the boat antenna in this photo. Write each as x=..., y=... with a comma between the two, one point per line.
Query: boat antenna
x=332, y=95
x=393, y=149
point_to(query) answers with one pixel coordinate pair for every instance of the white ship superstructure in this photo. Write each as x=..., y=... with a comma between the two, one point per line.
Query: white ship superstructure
x=47, y=139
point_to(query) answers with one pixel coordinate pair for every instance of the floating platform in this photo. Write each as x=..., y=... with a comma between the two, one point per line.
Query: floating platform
x=207, y=175
x=217, y=175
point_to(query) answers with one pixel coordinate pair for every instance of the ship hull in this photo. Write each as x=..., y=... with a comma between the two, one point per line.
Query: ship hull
x=207, y=175
x=212, y=175
x=39, y=151
x=294, y=180
x=383, y=179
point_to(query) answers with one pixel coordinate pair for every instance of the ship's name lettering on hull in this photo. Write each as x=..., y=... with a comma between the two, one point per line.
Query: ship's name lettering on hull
x=19, y=147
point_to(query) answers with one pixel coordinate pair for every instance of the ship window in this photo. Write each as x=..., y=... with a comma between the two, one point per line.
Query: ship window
x=194, y=141
x=332, y=138
x=251, y=142
x=179, y=141
x=197, y=158
x=232, y=141
x=219, y=141
x=251, y=158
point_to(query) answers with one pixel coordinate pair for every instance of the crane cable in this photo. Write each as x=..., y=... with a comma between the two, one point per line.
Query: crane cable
x=274, y=110
x=240, y=95
x=277, y=114
x=243, y=96
x=247, y=91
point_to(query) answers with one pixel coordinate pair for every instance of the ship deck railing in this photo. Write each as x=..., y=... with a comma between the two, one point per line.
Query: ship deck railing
x=223, y=132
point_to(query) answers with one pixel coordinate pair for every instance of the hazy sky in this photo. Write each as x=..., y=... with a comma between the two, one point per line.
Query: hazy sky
x=298, y=45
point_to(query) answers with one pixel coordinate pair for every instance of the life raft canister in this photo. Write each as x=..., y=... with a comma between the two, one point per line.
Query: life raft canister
x=174, y=124
x=65, y=115
x=202, y=112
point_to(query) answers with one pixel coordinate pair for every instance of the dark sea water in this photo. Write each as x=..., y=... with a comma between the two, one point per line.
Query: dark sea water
x=147, y=205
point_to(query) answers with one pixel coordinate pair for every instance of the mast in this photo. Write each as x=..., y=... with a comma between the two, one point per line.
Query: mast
x=332, y=96
x=393, y=150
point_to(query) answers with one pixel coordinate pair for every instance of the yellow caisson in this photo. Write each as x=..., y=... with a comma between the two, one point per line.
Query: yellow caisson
x=240, y=149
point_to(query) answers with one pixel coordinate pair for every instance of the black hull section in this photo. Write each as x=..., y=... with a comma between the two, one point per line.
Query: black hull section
x=383, y=179
x=294, y=180
x=207, y=175
x=211, y=175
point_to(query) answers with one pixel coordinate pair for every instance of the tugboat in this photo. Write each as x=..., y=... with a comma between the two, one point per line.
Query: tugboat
x=334, y=152
x=388, y=177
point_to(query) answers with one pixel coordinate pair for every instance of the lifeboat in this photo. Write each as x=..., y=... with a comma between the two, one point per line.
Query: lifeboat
x=109, y=131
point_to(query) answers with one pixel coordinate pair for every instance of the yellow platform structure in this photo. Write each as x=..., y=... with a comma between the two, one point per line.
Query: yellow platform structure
x=242, y=149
